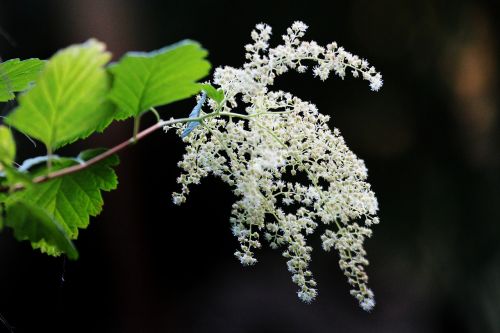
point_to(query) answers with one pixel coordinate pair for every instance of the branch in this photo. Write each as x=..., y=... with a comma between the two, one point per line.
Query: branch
x=100, y=157
x=116, y=149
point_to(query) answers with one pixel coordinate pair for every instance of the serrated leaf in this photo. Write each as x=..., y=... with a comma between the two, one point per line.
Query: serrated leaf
x=73, y=198
x=46, y=248
x=195, y=113
x=17, y=75
x=31, y=222
x=213, y=93
x=144, y=80
x=7, y=146
x=69, y=101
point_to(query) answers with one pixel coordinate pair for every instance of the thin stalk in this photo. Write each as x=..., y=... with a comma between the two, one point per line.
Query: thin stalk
x=49, y=158
x=137, y=126
x=157, y=115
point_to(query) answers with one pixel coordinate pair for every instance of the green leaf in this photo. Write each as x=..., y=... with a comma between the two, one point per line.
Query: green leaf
x=31, y=222
x=17, y=75
x=14, y=177
x=68, y=101
x=7, y=155
x=215, y=94
x=7, y=146
x=73, y=198
x=48, y=248
x=145, y=80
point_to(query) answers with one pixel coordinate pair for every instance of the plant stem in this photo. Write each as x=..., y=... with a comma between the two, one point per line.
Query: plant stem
x=75, y=168
x=136, y=137
x=92, y=161
x=157, y=115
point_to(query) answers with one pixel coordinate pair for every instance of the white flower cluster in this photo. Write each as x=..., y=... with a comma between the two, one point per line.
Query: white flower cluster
x=289, y=171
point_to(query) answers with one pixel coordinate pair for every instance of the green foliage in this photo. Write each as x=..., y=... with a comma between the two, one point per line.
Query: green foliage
x=145, y=80
x=33, y=223
x=68, y=201
x=215, y=94
x=17, y=75
x=14, y=177
x=73, y=198
x=7, y=155
x=7, y=147
x=69, y=99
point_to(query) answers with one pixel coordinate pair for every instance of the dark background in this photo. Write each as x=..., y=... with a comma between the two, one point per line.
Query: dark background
x=429, y=139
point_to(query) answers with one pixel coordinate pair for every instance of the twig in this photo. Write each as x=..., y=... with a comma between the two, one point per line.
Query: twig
x=96, y=159
x=116, y=149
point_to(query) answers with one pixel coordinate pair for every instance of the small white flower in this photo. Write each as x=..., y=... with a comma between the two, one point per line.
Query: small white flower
x=367, y=304
x=178, y=199
x=376, y=82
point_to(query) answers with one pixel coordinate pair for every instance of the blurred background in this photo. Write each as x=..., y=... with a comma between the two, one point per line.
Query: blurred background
x=429, y=138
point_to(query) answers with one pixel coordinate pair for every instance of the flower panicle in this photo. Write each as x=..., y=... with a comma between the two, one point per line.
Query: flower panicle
x=288, y=170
